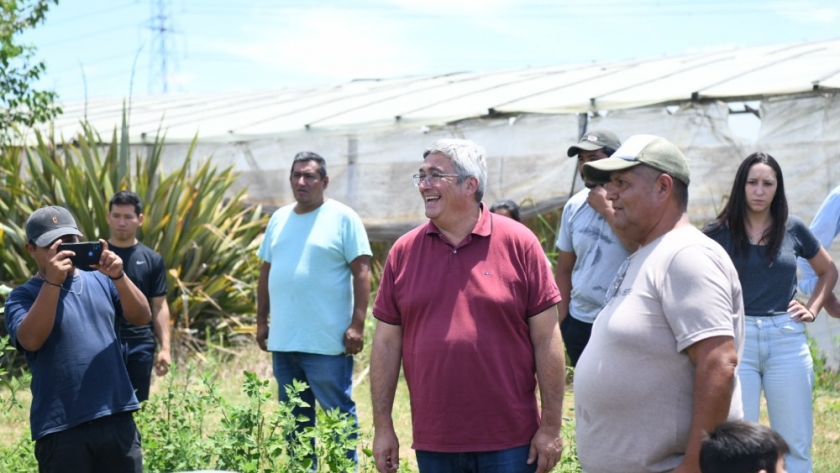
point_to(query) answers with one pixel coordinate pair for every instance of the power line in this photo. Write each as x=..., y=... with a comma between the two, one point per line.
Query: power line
x=161, y=55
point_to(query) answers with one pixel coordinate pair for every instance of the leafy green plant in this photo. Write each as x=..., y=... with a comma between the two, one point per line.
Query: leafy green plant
x=191, y=425
x=14, y=263
x=569, y=462
x=12, y=384
x=19, y=455
x=20, y=103
x=173, y=423
x=250, y=439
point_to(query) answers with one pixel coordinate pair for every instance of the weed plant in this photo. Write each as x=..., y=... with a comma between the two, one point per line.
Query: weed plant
x=208, y=417
x=191, y=425
x=19, y=455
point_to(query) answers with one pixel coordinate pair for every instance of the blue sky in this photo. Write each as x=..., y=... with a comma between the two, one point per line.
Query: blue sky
x=245, y=45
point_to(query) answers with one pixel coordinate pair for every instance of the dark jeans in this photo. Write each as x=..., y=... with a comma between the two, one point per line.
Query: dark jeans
x=139, y=360
x=512, y=460
x=110, y=444
x=575, y=336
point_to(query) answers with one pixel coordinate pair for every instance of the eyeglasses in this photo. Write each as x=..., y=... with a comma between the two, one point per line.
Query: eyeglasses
x=619, y=278
x=432, y=179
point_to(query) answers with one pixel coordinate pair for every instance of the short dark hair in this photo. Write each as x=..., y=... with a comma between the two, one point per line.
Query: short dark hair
x=310, y=156
x=741, y=447
x=509, y=205
x=608, y=151
x=126, y=198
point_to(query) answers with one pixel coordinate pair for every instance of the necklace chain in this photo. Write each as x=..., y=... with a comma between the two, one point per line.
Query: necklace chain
x=71, y=291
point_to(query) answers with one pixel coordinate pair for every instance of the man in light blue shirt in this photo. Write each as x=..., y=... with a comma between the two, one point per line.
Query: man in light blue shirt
x=315, y=285
x=826, y=226
x=590, y=251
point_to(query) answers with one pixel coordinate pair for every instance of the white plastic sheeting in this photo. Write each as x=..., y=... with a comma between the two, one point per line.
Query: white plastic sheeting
x=371, y=171
x=527, y=161
x=413, y=102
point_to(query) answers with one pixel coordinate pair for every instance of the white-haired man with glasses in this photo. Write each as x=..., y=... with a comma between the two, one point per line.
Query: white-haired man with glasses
x=468, y=306
x=659, y=369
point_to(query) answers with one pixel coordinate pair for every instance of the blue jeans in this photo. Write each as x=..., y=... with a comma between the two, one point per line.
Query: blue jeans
x=330, y=380
x=139, y=360
x=512, y=460
x=777, y=359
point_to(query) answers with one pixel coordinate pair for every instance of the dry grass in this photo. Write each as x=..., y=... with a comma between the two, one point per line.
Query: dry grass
x=826, y=450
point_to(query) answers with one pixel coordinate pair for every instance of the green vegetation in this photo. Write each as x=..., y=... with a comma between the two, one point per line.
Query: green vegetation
x=826, y=449
x=205, y=232
x=20, y=104
x=192, y=426
x=221, y=411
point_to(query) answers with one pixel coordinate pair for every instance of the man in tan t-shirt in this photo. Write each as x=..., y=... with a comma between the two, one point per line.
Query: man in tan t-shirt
x=659, y=370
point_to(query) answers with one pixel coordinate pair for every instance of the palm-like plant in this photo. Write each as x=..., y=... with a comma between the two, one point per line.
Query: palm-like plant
x=207, y=236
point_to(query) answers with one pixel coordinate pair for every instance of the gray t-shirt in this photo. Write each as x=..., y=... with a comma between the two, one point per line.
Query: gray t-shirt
x=769, y=285
x=599, y=254
x=634, y=383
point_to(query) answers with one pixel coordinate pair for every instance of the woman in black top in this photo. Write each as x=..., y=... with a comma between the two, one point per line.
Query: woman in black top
x=764, y=242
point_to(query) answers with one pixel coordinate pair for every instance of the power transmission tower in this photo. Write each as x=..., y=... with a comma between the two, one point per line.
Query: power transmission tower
x=161, y=54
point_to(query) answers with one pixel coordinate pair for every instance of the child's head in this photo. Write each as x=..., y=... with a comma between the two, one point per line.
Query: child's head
x=743, y=447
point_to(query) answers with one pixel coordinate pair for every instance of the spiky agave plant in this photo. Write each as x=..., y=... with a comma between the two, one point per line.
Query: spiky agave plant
x=206, y=234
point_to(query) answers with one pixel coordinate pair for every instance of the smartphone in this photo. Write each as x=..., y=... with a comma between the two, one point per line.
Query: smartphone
x=87, y=253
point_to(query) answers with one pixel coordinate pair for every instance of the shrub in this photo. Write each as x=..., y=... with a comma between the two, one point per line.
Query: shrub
x=192, y=426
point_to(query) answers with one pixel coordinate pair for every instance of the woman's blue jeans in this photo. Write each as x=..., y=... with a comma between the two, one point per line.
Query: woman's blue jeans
x=777, y=359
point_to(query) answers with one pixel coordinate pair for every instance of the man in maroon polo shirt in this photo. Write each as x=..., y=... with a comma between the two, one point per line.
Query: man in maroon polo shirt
x=468, y=305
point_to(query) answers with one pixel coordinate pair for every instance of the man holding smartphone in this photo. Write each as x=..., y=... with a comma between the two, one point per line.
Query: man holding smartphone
x=146, y=269
x=64, y=320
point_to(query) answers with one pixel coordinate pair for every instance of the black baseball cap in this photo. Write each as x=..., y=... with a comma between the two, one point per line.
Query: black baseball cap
x=48, y=224
x=595, y=140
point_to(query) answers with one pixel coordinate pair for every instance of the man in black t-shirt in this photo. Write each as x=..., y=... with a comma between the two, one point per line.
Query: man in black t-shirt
x=145, y=268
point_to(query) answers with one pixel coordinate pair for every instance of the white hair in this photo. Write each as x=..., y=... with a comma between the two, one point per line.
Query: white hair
x=467, y=157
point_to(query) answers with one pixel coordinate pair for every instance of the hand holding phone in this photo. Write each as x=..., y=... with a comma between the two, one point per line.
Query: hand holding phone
x=86, y=253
